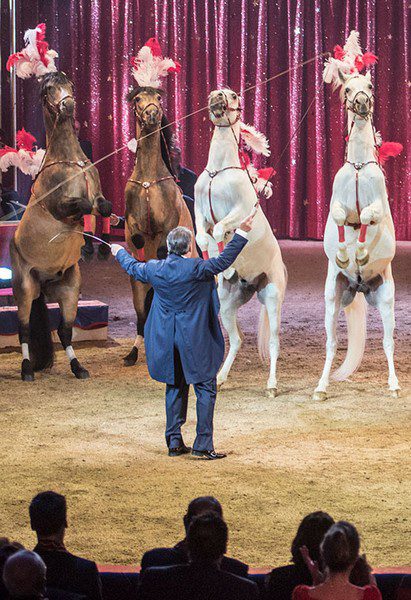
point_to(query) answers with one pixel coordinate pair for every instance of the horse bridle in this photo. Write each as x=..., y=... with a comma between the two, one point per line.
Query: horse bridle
x=226, y=108
x=350, y=104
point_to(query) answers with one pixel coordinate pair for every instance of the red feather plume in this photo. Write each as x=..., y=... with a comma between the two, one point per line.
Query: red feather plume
x=338, y=52
x=369, y=59
x=25, y=140
x=6, y=150
x=266, y=173
x=388, y=149
x=154, y=46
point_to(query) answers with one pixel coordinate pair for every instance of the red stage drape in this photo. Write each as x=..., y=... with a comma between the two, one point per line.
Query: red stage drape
x=239, y=43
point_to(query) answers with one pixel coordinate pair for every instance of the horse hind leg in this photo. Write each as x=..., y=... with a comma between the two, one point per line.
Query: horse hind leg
x=66, y=292
x=269, y=331
x=231, y=298
x=384, y=296
x=142, y=298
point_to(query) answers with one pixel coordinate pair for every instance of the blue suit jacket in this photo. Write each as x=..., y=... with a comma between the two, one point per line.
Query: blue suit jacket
x=184, y=312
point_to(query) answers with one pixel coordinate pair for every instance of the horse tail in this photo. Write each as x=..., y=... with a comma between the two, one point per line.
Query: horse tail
x=40, y=342
x=356, y=317
x=263, y=338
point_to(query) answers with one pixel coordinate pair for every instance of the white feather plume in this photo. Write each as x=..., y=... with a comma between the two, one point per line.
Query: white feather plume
x=27, y=62
x=255, y=140
x=352, y=45
x=149, y=70
x=346, y=65
x=28, y=162
x=132, y=145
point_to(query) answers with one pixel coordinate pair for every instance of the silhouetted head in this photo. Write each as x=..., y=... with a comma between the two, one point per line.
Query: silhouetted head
x=24, y=575
x=148, y=107
x=57, y=94
x=311, y=533
x=207, y=538
x=224, y=107
x=202, y=505
x=48, y=514
x=340, y=547
x=356, y=93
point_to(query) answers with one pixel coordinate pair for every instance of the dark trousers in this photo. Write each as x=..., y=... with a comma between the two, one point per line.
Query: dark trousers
x=176, y=409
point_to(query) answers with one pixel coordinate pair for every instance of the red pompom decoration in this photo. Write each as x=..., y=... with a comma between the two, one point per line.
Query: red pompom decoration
x=338, y=52
x=388, y=149
x=154, y=46
x=25, y=140
x=369, y=59
x=266, y=173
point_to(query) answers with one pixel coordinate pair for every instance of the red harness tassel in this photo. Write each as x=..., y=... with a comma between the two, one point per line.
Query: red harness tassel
x=88, y=223
x=220, y=246
x=341, y=233
x=206, y=255
x=106, y=224
x=363, y=232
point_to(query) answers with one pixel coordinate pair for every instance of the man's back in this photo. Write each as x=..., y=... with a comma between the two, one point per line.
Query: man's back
x=71, y=573
x=167, y=557
x=195, y=582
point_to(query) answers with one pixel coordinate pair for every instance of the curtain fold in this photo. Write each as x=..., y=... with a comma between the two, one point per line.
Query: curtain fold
x=237, y=43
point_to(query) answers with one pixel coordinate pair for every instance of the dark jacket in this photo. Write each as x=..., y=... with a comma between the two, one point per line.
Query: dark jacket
x=167, y=557
x=186, y=180
x=71, y=573
x=281, y=582
x=195, y=582
x=184, y=312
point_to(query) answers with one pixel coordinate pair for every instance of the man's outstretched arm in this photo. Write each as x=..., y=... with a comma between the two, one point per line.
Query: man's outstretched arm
x=137, y=270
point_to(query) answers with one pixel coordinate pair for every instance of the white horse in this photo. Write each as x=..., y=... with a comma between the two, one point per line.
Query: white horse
x=359, y=241
x=224, y=195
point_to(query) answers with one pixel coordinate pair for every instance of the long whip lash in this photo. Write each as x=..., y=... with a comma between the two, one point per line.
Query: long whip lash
x=183, y=118
x=80, y=233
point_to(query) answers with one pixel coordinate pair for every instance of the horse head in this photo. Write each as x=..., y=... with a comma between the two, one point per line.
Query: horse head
x=57, y=95
x=148, y=107
x=356, y=93
x=222, y=104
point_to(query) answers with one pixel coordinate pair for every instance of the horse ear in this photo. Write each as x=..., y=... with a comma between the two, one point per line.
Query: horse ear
x=342, y=77
x=368, y=75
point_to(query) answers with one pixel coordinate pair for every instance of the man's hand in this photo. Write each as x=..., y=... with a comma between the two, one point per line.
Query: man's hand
x=115, y=248
x=312, y=565
x=247, y=224
x=114, y=220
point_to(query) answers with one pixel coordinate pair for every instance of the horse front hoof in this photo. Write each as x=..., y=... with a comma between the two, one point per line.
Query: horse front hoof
x=362, y=258
x=27, y=373
x=131, y=358
x=319, y=396
x=395, y=393
x=271, y=392
x=87, y=252
x=219, y=384
x=103, y=252
x=78, y=371
x=342, y=263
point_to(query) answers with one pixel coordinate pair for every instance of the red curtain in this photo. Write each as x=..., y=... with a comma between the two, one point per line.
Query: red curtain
x=238, y=43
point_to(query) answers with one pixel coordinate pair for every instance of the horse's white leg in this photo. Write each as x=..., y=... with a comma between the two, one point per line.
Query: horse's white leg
x=372, y=213
x=202, y=237
x=232, y=296
x=332, y=298
x=339, y=214
x=384, y=297
x=270, y=296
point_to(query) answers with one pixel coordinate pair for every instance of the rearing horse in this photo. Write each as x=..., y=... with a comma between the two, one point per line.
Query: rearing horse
x=154, y=202
x=43, y=269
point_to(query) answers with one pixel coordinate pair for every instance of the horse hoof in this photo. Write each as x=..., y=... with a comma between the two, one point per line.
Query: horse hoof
x=395, y=393
x=78, y=371
x=220, y=385
x=343, y=264
x=271, y=392
x=362, y=260
x=319, y=396
x=27, y=373
x=87, y=253
x=131, y=358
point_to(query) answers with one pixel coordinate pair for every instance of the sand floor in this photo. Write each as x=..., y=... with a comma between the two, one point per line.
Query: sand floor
x=101, y=443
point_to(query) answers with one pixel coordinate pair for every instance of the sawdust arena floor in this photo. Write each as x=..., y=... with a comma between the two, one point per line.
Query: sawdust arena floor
x=101, y=443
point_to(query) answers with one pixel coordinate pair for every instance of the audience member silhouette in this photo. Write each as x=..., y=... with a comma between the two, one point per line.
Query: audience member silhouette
x=202, y=578
x=48, y=517
x=178, y=555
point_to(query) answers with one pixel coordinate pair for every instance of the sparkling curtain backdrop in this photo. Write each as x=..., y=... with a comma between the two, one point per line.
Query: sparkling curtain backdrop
x=238, y=43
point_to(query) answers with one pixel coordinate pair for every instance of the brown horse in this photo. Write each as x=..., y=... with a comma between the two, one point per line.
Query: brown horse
x=154, y=202
x=44, y=269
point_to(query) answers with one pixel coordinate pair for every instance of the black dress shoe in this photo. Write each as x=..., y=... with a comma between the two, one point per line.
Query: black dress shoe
x=179, y=450
x=207, y=454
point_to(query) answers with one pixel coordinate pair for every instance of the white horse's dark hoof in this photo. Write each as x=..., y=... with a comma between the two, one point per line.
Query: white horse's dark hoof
x=271, y=392
x=395, y=393
x=343, y=264
x=362, y=260
x=319, y=396
x=27, y=373
x=131, y=358
x=78, y=371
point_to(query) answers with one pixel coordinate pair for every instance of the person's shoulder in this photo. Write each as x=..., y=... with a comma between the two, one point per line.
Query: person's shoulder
x=83, y=563
x=156, y=556
x=164, y=572
x=235, y=566
x=371, y=592
x=301, y=592
x=188, y=172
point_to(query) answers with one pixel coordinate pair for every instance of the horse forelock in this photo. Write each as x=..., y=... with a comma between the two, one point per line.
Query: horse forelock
x=137, y=90
x=56, y=78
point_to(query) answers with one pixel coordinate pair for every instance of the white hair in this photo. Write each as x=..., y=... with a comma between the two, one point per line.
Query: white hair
x=179, y=241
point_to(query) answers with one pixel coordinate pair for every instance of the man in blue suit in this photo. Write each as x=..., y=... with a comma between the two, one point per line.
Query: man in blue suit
x=183, y=338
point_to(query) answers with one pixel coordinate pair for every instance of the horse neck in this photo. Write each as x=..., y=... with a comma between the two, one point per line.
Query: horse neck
x=224, y=148
x=61, y=140
x=149, y=163
x=361, y=143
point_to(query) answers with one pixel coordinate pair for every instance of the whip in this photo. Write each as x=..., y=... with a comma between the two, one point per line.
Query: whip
x=80, y=233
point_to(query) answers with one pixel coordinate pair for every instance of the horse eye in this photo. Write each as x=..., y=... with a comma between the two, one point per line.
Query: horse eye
x=370, y=86
x=234, y=96
x=347, y=90
x=159, y=97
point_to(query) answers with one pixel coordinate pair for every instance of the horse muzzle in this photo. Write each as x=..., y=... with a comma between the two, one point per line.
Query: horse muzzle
x=151, y=117
x=66, y=107
x=217, y=105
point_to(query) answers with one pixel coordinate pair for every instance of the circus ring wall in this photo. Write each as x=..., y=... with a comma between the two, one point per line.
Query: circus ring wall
x=101, y=441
